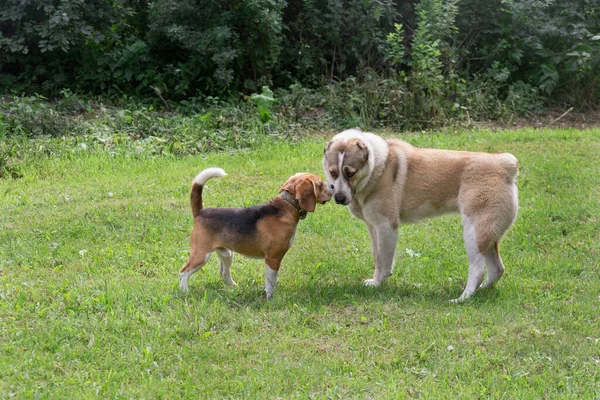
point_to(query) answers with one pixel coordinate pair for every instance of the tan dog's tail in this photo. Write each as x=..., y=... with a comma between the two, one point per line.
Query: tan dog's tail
x=511, y=164
x=198, y=184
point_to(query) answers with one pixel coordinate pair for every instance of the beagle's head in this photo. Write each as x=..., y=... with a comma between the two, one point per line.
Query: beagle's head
x=308, y=190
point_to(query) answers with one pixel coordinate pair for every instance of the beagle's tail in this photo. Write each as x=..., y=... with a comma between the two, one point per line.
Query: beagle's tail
x=198, y=184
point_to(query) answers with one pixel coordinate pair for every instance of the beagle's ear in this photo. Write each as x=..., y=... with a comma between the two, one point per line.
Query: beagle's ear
x=327, y=147
x=305, y=194
x=290, y=185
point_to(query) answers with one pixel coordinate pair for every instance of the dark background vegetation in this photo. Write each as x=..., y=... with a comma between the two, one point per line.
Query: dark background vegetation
x=368, y=63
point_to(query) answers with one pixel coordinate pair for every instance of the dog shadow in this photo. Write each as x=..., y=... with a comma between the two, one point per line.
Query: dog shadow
x=339, y=294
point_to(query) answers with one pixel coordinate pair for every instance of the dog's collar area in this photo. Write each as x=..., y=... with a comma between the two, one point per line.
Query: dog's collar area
x=290, y=199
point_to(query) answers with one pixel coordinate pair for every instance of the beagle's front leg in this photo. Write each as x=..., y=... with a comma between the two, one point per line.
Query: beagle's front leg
x=271, y=272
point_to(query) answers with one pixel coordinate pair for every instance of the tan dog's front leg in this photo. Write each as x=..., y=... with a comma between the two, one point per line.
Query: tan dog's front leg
x=373, y=235
x=384, y=250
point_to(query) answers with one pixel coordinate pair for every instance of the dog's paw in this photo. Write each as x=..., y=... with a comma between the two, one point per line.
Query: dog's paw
x=372, y=283
x=461, y=299
x=230, y=282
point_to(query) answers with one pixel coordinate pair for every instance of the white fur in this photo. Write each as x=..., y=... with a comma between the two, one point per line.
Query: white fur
x=226, y=258
x=184, y=277
x=270, y=281
x=476, y=260
x=208, y=173
x=341, y=185
x=377, y=149
x=383, y=239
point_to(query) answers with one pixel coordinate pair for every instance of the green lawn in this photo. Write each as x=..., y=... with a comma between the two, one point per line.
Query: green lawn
x=91, y=245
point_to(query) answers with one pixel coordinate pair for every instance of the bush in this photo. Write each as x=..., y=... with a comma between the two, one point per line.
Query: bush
x=407, y=64
x=43, y=40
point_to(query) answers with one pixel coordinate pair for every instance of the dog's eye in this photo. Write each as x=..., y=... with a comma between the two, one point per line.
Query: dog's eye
x=350, y=174
x=333, y=174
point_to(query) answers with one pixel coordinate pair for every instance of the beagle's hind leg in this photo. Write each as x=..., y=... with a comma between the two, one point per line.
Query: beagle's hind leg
x=225, y=258
x=194, y=263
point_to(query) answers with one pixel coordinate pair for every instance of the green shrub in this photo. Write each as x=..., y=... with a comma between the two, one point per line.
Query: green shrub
x=263, y=103
x=336, y=62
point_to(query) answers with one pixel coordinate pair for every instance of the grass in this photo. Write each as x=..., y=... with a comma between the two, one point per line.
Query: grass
x=91, y=243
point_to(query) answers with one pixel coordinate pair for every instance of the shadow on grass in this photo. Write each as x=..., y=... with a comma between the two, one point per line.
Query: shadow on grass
x=338, y=294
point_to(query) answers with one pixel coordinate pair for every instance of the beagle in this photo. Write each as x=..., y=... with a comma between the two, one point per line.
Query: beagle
x=263, y=231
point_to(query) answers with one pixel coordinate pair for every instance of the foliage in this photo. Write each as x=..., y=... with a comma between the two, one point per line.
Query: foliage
x=197, y=128
x=435, y=22
x=263, y=103
x=429, y=62
x=215, y=46
x=395, y=41
x=336, y=39
x=553, y=46
x=45, y=40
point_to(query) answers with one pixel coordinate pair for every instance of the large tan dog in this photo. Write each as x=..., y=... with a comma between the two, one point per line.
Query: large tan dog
x=389, y=182
x=262, y=231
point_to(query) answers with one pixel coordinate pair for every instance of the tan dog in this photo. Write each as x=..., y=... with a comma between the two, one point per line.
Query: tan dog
x=389, y=182
x=263, y=231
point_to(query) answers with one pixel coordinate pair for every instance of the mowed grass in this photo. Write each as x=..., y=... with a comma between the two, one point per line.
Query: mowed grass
x=91, y=245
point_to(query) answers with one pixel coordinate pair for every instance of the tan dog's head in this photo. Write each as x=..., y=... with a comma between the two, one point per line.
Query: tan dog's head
x=346, y=164
x=308, y=189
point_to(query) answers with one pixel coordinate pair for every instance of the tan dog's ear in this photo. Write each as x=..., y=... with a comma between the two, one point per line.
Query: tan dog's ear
x=363, y=148
x=305, y=194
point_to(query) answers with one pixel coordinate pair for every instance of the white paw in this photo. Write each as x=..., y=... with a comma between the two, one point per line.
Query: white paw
x=372, y=283
x=461, y=299
x=230, y=282
x=183, y=286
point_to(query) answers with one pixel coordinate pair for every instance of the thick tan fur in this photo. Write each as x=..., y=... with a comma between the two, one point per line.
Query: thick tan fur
x=396, y=183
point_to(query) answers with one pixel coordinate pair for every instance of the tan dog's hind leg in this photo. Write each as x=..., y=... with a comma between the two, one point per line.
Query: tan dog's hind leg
x=226, y=258
x=476, y=259
x=495, y=267
x=196, y=261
